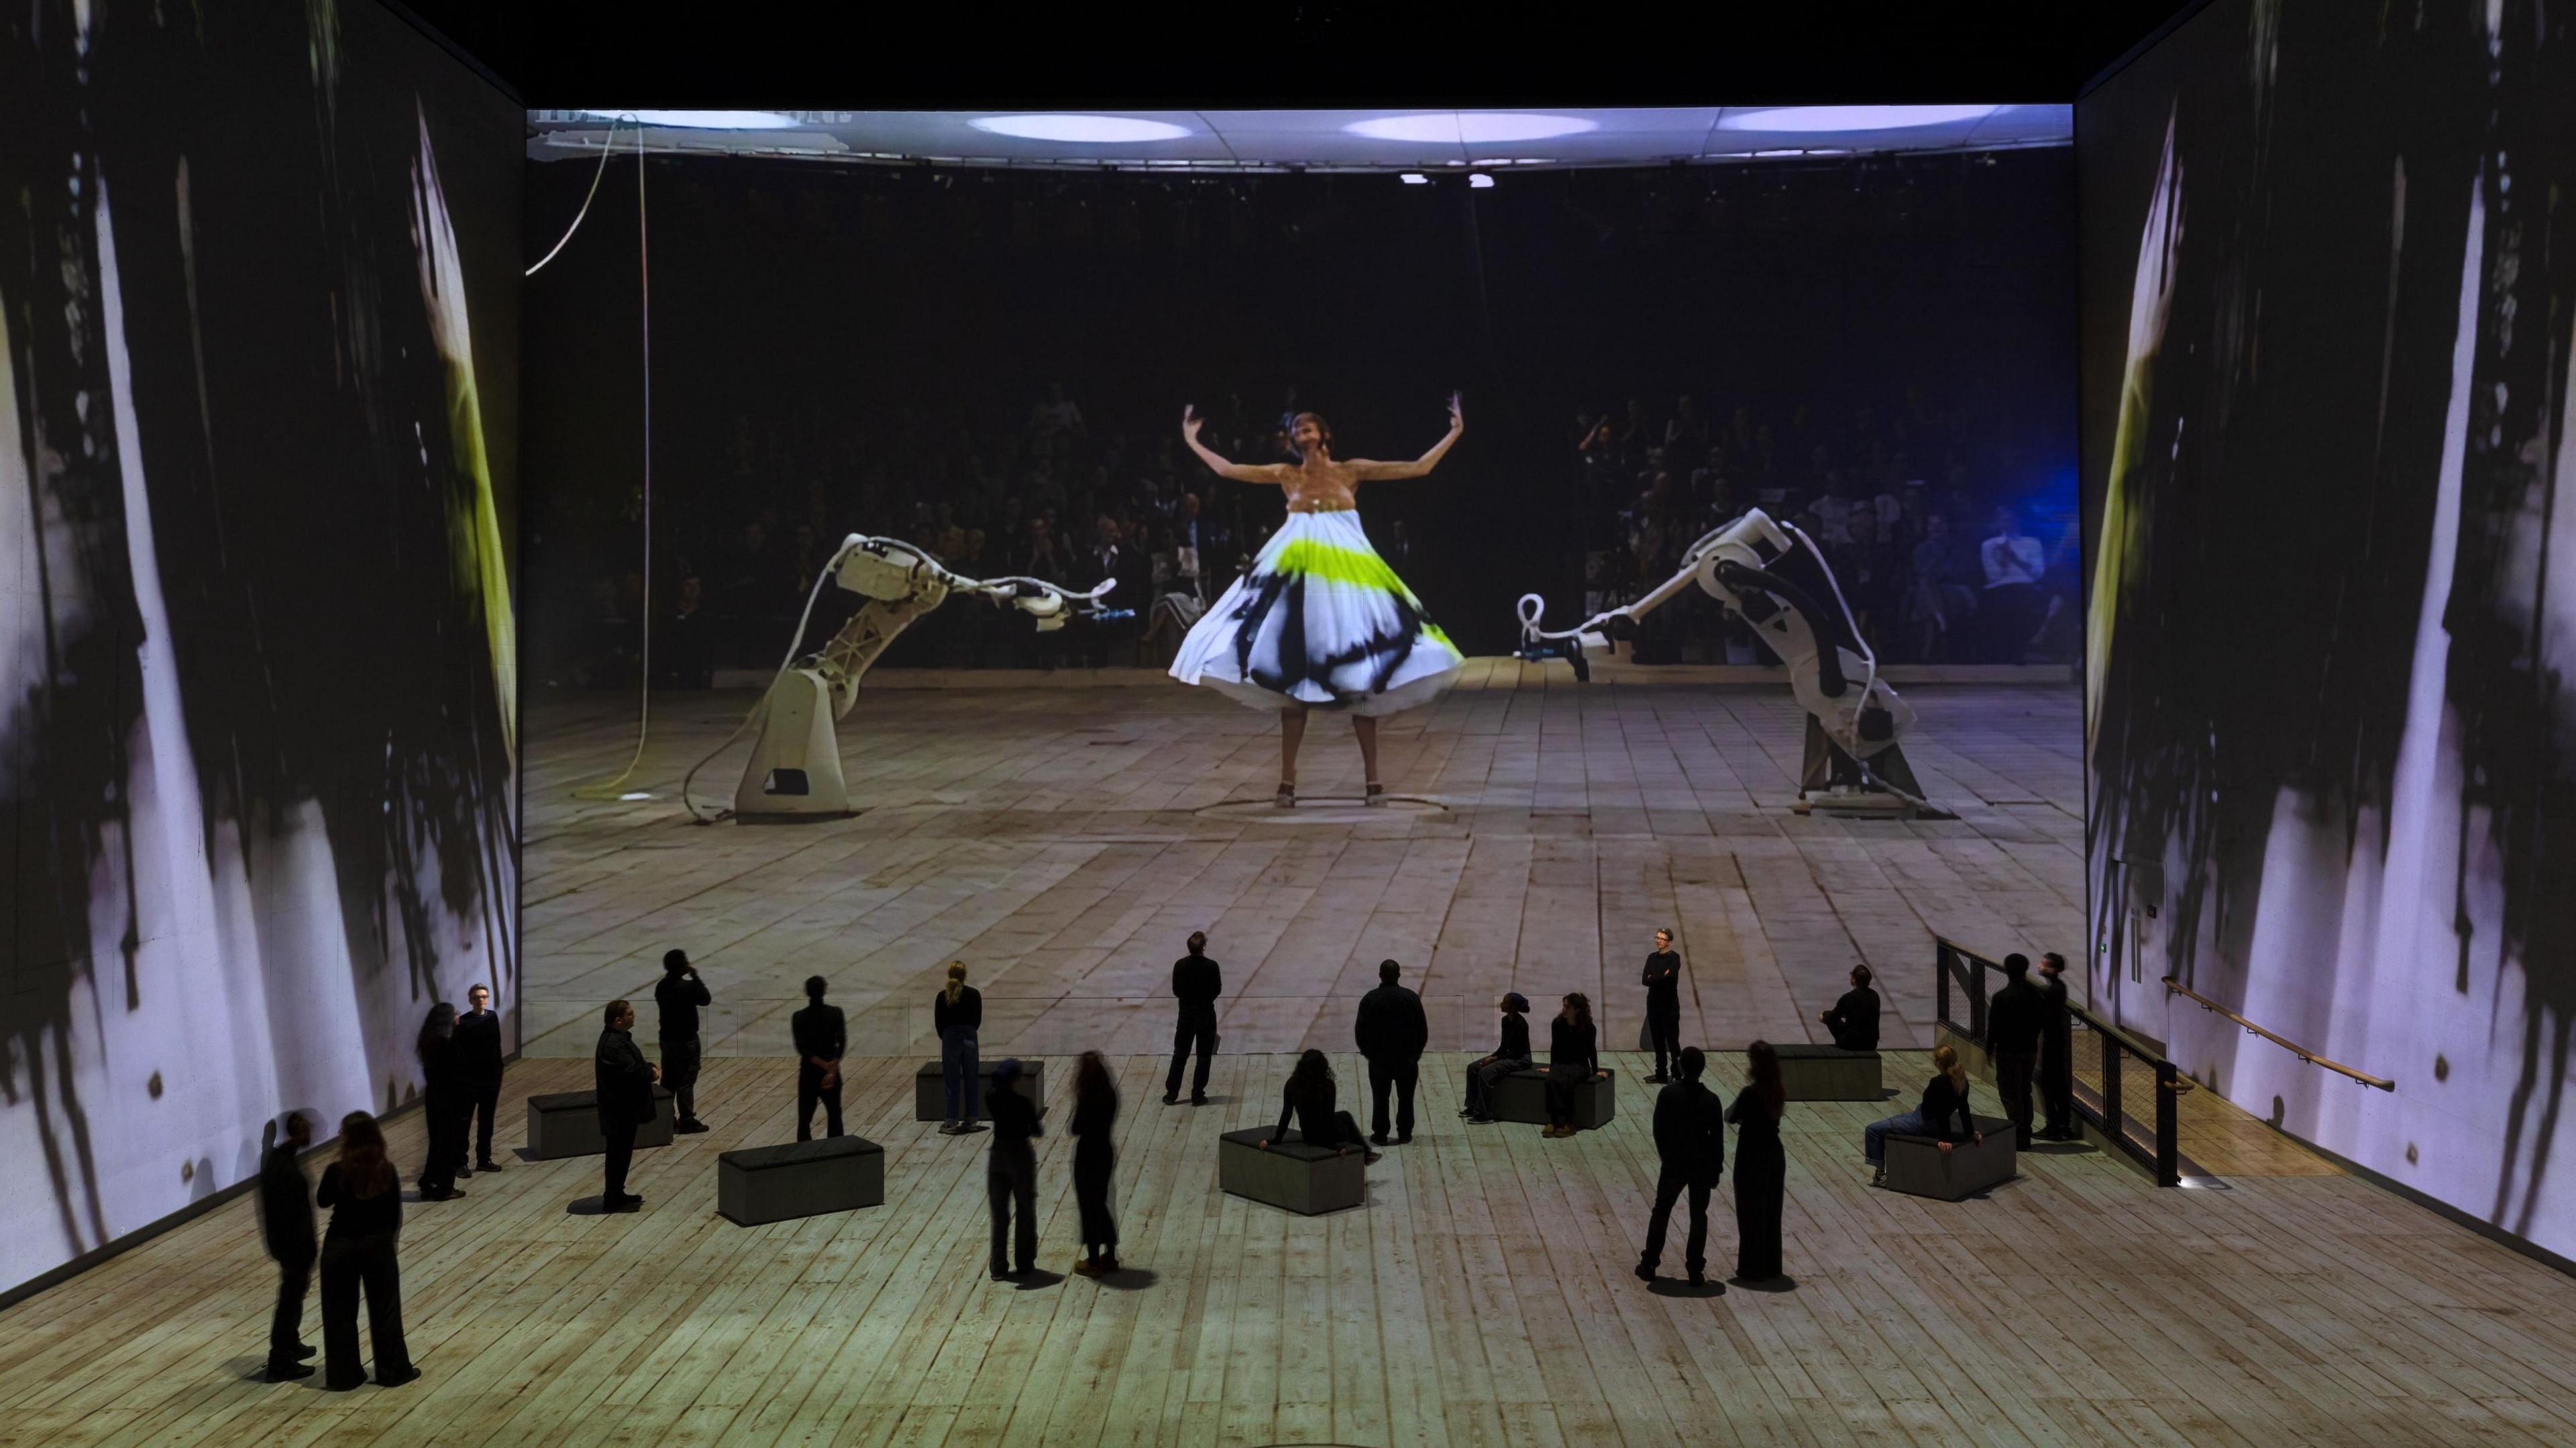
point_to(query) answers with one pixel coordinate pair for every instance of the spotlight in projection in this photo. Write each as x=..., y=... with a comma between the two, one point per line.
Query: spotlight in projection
x=1852, y=118
x=636, y=794
x=705, y=120
x=1480, y=181
x=1471, y=127
x=1085, y=130
x=1415, y=178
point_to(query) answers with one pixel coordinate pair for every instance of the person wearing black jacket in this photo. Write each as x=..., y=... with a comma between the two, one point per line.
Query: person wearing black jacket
x=1011, y=1173
x=2015, y=1019
x=821, y=1039
x=957, y=1014
x=1664, y=1002
x=1854, y=1018
x=623, y=1080
x=1196, y=982
x=676, y=997
x=443, y=1102
x=478, y=1055
x=359, y=1254
x=1511, y=1054
x=1761, y=1167
x=1690, y=1139
x=1944, y=1114
x=1572, y=1056
x=1308, y=1099
x=1095, y=1115
x=2056, y=1050
x=1391, y=1033
x=286, y=1223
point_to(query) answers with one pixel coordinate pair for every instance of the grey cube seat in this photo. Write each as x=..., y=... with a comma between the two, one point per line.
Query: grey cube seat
x=930, y=1088
x=1917, y=1165
x=1522, y=1096
x=1829, y=1073
x=567, y=1124
x=799, y=1179
x=1289, y=1174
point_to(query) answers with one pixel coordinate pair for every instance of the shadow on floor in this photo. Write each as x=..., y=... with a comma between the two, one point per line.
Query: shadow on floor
x=1680, y=1287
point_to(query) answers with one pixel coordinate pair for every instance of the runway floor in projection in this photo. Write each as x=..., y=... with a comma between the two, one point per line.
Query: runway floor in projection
x=1063, y=839
x=1480, y=1298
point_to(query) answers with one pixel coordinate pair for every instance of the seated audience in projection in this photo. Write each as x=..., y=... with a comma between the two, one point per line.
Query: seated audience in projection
x=1943, y=1114
x=1573, y=1055
x=1854, y=1018
x=1309, y=1100
x=1511, y=1053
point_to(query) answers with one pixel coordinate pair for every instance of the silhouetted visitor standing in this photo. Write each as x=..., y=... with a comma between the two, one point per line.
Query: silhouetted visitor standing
x=677, y=997
x=2015, y=1020
x=442, y=1103
x=358, y=1252
x=1391, y=1033
x=1095, y=1115
x=1511, y=1054
x=478, y=1056
x=286, y=1224
x=957, y=1014
x=623, y=1082
x=1196, y=983
x=1761, y=1167
x=1309, y=1100
x=1572, y=1056
x=1664, y=1003
x=1011, y=1173
x=2056, y=1050
x=1690, y=1141
x=1943, y=1115
x=1854, y=1018
x=822, y=1037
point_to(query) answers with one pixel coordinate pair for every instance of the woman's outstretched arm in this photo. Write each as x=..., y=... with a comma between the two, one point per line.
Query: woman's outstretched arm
x=1239, y=472
x=1380, y=472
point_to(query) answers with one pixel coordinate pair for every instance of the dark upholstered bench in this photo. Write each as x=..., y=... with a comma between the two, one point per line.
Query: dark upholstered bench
x=1829, y=1073
x=930, y=1088
x=1917, y=1164
x=1522, y=1096
x=799, y=1179
x=567, y=1124
x=1304, y=1179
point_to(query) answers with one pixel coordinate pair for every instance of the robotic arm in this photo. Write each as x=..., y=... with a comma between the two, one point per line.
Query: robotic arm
x=1773, y=576
x=795, y=767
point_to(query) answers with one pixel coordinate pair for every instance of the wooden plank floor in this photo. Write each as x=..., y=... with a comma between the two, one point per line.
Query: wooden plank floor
x=1058, y=840
x=1481, y=1297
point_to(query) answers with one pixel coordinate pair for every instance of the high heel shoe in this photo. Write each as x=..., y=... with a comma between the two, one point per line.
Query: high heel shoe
x=1376, y=793
x=1287, y=797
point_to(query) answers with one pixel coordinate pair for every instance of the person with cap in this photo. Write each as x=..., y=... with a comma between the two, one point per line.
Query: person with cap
x=2015, y=1019
x=678, y=994
x=1391, y=1033
x=1011, y=1173
x=957, y=1013
x=1196, y=982
x=1512, y=1054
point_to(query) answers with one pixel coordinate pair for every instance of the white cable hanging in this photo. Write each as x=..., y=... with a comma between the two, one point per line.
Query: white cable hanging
x=613, y=789
x=606, y=149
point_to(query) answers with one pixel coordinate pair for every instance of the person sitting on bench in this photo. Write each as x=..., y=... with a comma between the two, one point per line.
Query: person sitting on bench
x=1572, y=1058
x=1854, y=1018
x=1309, y=1100
x=1513, y=1054
x=1945, y=1104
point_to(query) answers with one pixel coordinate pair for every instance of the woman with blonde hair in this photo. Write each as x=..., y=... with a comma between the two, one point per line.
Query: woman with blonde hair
x=957, y=1012
x=1945, y=1104
x=364, y=1194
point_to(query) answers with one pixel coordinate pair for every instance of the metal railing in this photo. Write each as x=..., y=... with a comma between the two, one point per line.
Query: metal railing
x=2175, y=987
x=1960, y=971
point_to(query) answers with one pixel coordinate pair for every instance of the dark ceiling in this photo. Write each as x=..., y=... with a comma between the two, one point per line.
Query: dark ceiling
x=1264, y=53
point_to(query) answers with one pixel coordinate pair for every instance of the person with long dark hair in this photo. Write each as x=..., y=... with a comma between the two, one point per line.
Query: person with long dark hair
x=444, y=1103
x=957, y=1013
x=364, y=1194
x=1320, y=620
x=1511, y=1054
x=1309, y=1100
x=1095, y=1114
x=1573, y=1055
x=1761, y=1167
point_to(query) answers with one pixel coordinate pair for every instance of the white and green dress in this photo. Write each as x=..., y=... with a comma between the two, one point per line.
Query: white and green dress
x=1320, y=620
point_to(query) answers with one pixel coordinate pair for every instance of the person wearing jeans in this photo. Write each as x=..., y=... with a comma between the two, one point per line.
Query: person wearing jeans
x=1945, y=1104
x=956, y=1013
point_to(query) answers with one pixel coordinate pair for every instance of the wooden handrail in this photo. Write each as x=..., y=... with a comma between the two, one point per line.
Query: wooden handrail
x=2175, y=987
